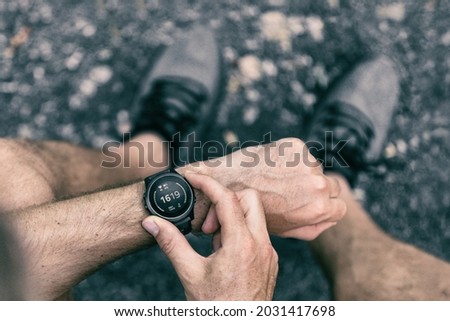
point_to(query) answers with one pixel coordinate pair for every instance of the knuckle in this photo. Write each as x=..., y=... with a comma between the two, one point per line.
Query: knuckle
x=321, y=183
x=314, y=165
x=296, y=143
x=342, y=209
x=269, y=250
x=291, y=143
x=321, y=207
x=252, y=194
x=266, y=249
x=335, y=182
x=167, y=245
x=230, y=196
x=274, y=256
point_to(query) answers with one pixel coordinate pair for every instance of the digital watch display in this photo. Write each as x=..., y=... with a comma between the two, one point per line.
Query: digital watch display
x=170, y=196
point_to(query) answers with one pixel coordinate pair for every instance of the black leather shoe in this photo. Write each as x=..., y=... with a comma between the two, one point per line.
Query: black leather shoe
x=349, y=128
x=180, y=93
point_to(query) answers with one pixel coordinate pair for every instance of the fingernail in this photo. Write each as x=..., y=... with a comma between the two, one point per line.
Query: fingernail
x=151, y=227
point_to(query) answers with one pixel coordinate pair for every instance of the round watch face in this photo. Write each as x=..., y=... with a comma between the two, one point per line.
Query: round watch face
x=170, y=196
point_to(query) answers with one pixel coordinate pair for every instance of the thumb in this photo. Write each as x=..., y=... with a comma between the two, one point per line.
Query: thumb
x=173, y=243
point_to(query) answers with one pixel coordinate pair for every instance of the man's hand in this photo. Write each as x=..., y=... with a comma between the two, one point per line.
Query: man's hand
x=298, y=199
x=244, y=265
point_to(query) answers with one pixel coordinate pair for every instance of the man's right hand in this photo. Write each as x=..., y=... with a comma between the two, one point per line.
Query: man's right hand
x=244, y=265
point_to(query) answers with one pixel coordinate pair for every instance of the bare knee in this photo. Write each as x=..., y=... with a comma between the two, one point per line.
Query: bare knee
x=26, y=179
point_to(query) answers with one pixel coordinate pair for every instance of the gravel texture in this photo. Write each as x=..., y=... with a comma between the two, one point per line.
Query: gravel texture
x=69, y=70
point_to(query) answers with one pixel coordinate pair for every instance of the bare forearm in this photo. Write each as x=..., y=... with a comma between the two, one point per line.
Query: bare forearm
x=64, y=241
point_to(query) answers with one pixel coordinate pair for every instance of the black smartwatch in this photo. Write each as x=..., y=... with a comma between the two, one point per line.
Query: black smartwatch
x=170, y=196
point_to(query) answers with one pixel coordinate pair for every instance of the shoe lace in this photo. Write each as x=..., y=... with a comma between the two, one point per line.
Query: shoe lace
x=353, y=131
x=172, y=106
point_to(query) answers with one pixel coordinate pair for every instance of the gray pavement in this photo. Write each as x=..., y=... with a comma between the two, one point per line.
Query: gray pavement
x=69, y=70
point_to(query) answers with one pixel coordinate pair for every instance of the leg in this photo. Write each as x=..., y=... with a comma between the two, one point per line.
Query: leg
x=39, y=172
x=364, y=263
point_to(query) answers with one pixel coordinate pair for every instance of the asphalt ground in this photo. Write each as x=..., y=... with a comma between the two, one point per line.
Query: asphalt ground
x=70, y=69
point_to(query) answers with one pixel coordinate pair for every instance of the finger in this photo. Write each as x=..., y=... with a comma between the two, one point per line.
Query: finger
x=320, y=211
x=211, y=223
x=173, y=244
x=273, y=273
x=254, y=214
x=308, y=233
x=335, y=188
x=216, y=242
x=227, y=206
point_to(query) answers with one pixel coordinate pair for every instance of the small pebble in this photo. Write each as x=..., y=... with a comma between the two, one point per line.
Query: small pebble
x=277, y=3
x=104, y=54
x=296, y=25
x=401, y=146
x=334, y=3
x=252, y=95
x=101, y=74
x=76, y=102
x=230, y=138
x=25, y=131
x=445, y=39
x=89, y=31
x=315, y=27
x=275, y=27
x=250, y=115
x=390, y=151
x=74, y=60
x=38, y=73
x=123, y=122
x=233, y=84
x=414, y=142
x=269, y=68
x=229, y=54
x=88, y=87
x=441, y=134
x=250, y=68
x=359, y=194
x=320, y=75
x=394, y=11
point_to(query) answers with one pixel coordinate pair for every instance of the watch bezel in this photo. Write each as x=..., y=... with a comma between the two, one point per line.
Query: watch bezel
x=151, y=208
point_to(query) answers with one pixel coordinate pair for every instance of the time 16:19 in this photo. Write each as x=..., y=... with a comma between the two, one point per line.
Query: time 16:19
x=171, y=196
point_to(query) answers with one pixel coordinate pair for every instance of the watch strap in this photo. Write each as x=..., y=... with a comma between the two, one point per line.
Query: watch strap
x=148, y=179
x=184, y=225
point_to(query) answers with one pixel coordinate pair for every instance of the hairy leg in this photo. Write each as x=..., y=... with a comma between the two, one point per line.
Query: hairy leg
x=364, y=263
x=38, y=172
